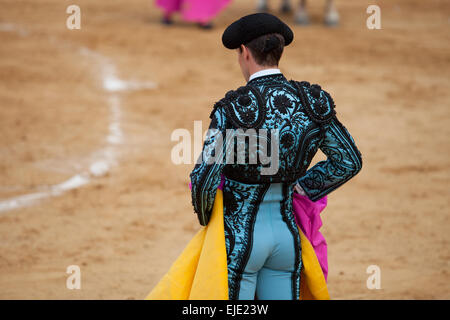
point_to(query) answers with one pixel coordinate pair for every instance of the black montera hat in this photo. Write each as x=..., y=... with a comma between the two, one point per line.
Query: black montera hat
x=253, y=26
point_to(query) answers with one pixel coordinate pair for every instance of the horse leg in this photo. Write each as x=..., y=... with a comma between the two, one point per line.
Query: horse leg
x=262, y=6
x=301, y=16
x=331, y=15
x=286, y=6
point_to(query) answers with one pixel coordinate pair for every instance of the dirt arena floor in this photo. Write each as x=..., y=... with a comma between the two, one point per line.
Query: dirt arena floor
x=86, y=117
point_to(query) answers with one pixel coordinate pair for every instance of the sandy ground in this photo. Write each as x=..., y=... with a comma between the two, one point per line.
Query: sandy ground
x=126, y=227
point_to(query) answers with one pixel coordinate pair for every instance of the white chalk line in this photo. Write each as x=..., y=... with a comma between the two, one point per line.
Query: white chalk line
x=107, y=157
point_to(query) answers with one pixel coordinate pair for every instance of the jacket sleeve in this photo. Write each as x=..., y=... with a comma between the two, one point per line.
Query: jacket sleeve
x=206, y=175
x=343, y=162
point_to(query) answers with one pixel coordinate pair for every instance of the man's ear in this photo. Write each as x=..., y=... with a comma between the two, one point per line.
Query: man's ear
x=244, y=51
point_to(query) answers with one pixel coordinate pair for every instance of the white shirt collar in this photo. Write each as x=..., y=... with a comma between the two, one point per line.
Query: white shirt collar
x=263, y=73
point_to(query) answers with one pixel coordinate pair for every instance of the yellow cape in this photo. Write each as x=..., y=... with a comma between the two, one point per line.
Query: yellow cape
x=200, y=272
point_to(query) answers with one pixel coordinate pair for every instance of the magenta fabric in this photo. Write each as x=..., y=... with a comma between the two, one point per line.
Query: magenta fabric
x=307, y=216
x=193, y=10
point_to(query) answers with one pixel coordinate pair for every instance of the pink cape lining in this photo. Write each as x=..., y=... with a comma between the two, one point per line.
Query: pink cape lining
x=307, y=217
x=193, y=10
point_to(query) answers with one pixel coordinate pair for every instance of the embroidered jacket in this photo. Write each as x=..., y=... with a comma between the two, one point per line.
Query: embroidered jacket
x=305, y=119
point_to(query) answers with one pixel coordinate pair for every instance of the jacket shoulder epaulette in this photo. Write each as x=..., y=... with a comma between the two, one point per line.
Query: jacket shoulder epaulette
x=317, y=102
x=244, y=107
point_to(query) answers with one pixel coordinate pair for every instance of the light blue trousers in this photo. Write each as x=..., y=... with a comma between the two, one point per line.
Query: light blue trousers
x=269, y=270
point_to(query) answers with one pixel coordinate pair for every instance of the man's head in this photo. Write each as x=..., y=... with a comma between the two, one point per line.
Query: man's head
x=261, y=53
x=259, y=39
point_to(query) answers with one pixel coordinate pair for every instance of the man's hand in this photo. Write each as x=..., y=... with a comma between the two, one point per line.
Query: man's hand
x=299, y=190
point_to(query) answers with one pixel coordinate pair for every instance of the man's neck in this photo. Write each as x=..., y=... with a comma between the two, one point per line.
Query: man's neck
x=264, y=71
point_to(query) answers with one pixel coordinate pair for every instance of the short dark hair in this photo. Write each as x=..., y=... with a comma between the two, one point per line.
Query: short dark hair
x=267, y=49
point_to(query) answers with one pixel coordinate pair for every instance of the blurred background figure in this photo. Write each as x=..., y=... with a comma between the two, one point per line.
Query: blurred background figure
x=331, y=16
x=198, y=11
